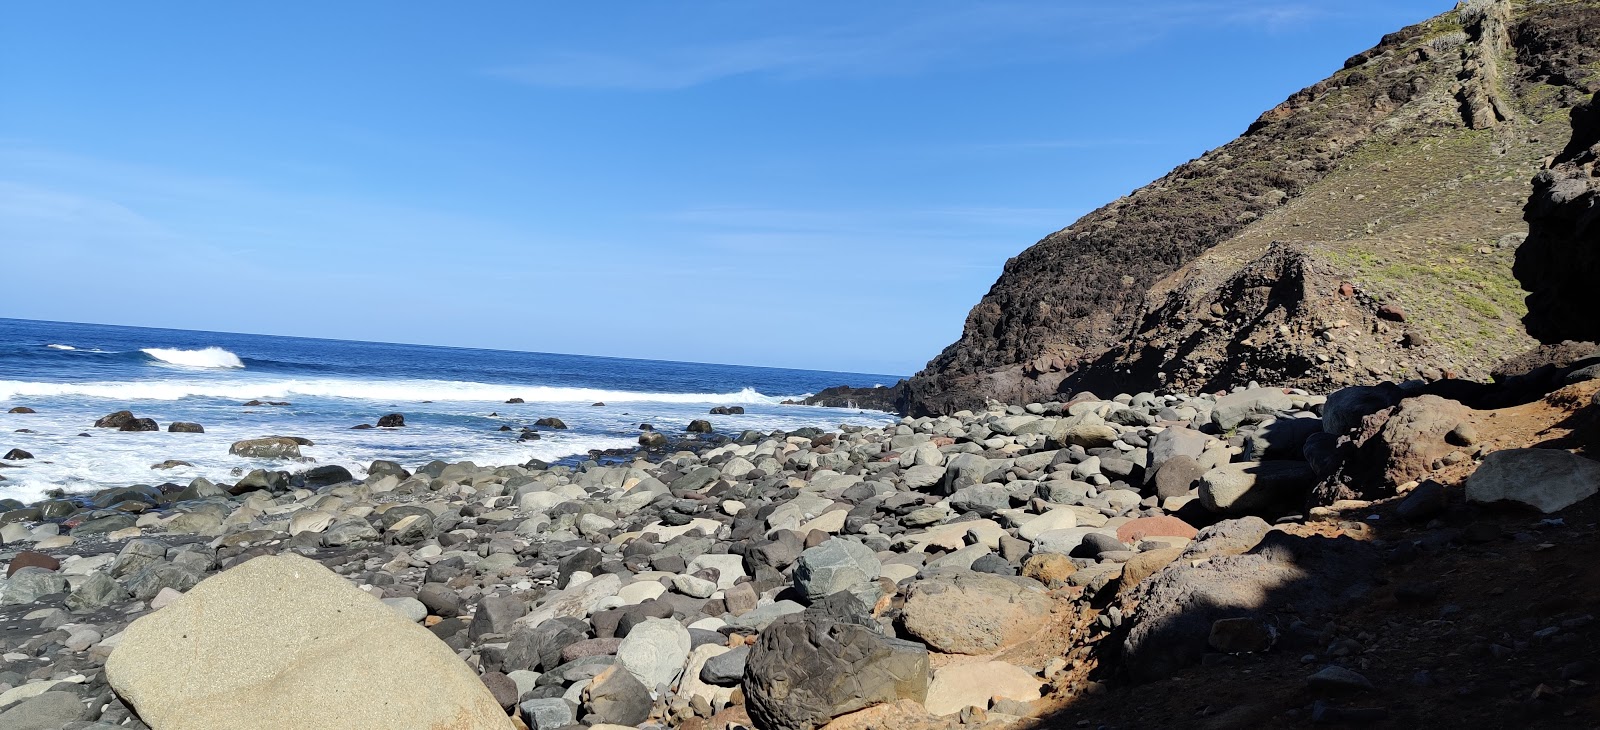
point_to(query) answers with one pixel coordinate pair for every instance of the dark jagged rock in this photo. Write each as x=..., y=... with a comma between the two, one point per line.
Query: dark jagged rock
x=811, y=667
x=1559, y=262
x=114, y=420
x=185, y=427
x=877, y=398
x=393, y=420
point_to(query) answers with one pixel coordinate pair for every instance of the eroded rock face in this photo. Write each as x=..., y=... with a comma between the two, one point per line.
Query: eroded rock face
x=811, y=667
x=1559, y=263
x=279, y=642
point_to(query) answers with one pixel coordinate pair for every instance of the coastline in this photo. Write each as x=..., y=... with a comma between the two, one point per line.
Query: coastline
x=994, y=568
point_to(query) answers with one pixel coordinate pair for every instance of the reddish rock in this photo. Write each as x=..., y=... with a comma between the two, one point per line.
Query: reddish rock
x=590, y=647
x=1392, y=312
x=1346, y=289
x=32, y=559
x=1133, y=531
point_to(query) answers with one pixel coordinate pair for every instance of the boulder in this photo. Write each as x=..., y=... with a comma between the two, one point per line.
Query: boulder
x=274, y=447
x=725, y=669
x=616, y=696
x=652, y=439
x=115, y=420
x=51, y=710
x=1177, y=476
x=551, y=422
x=1144, y=565
x=1235, y=408
x=836, y=565
x=699, y=425
x=17, y=455
x=497, y=615
x=811, y=667
x=392, y=420
x=576, y=601
x=32, y=559
x=1176, y=607
x=1087, y=435
x=1246, y=487
x=185, y=427
x=974, y=613
x=1548, y=480
x=1176, y=441
x=29, y=584
x=326, y=475
x=548, y=713
x=1050, y=569
x=957, y=687
x=1409, y=444
x=1060, y=518
x=654, y=651
x=1132, y=531
x=1345, y=407
x=280, y=641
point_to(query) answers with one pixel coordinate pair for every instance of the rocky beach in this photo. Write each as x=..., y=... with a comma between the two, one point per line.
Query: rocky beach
x=981, y=569
x=1265, y=481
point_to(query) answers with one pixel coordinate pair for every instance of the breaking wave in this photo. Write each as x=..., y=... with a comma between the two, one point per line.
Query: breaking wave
x=210, y=357
x=378, y=390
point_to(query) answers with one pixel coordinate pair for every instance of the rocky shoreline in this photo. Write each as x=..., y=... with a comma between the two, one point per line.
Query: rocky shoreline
x=971, y=568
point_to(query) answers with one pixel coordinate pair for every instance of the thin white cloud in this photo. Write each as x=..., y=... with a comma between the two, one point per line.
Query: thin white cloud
x=934, y=34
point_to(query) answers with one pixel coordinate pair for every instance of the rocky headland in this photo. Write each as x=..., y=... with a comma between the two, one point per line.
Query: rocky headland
x=1364, y=229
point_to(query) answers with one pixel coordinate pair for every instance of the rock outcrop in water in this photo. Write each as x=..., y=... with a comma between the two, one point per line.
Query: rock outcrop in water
x=1394, y=183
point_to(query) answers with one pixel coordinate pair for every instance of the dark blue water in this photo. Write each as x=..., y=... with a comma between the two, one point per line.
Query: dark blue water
x=453, y=400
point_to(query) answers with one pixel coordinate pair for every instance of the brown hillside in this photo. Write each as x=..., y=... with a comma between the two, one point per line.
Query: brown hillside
x=1402, y=175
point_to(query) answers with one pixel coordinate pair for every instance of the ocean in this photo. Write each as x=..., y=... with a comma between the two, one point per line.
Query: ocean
x=453, y=400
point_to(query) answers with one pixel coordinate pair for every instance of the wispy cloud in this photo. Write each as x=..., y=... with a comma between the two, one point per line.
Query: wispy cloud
x=1062, y=144
x=885, y=46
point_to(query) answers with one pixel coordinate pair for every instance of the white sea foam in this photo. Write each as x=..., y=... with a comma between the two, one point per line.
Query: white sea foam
x=378, y=390
x=54, y=346
x=210, y=357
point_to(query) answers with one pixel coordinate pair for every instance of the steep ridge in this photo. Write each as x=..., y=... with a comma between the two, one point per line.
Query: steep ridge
x=1365, y=227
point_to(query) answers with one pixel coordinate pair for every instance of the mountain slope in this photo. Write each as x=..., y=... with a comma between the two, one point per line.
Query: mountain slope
x=1398, y=181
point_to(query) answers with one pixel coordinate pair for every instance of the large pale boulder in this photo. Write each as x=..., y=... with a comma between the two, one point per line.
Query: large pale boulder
x=975, y=613
x=955, y=688
x=655, y=651
x=1545, y=479
x=280, y=642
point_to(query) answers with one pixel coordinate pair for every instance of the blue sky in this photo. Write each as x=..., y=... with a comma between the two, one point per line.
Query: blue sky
x=823, y=185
